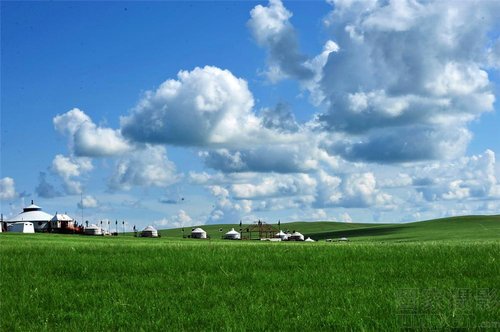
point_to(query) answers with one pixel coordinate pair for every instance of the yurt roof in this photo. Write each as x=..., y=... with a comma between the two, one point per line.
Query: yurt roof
x=149, y=229
x=32, y=207
x=232, y=232
x=309, y=240
x=280, y=233
x=297, y=234
x=36, y=215
x=61, y=217
x=198, y=230
x=92, y=226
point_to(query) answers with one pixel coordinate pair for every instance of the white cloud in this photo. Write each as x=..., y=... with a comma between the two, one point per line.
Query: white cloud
x=494, y=55
x=402, y=87
x=44, y=188
x=87, y=202
x=225, y=210
x=146, y=167
x=68, y=168
x=271, y=29
x=181, y=219
x=276, y=186
x=86, y=138
x=345, y=217
x=353, y=190
x=471, y=177
x=286, y=158
x=7, y=188
x=205, y=106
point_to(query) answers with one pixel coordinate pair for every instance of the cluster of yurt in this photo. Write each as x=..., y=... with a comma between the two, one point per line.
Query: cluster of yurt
x=232, y=235
x=294, y=236
x=149, y=231
x=93, y=229
x=198, y=233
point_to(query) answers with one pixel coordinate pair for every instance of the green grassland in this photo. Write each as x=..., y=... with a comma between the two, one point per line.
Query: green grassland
x=434, y=275
x=449, y=229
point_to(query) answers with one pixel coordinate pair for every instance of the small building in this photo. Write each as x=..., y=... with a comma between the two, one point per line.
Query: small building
x=282, y=235
x=61, y=221
x=198, y=233
x=232, y=235
x=93, y=230
x=34, y=214
x=149, y=231
x=296, y=236
x=22, y=227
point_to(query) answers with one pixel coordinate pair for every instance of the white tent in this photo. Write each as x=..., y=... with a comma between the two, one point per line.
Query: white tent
x=198, y=233
x=309, y=240
x=34, y=214
x=22, y=227
x=93, y=230
x=296, y=236
x=232, y=235
x=343, y=239
x=149, y=231
x=282, y=235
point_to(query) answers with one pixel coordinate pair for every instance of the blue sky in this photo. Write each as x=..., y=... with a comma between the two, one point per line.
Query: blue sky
x=182, y=113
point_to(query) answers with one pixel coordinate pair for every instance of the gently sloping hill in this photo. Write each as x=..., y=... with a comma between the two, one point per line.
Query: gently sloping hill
x=214, y=231
x=454, y=229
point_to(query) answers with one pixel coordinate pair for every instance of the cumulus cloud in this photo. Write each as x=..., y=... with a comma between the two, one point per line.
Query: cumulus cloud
x=471, y=177
x=145, y=167
x=7, y=188
x=345, y=217
x=181, y=219
x=68, y=168
x=272, y=29
x=86, y=138
x=225, y=210
x=87, y=202
x=205, y=106
x=44, y=188
x=275, y=186
x=273, y=158
x=352, y=191
x=402, y=87
x=494, y=55
x=279, y=118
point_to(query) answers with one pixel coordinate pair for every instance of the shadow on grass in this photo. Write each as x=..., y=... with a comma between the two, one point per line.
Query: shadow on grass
x=352, y=233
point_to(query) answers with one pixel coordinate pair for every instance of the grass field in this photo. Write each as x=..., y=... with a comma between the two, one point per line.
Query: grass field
x=405, y=277
x=449, y=229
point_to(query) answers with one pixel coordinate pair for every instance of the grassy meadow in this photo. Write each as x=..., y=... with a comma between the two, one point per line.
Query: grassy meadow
x=442, y=274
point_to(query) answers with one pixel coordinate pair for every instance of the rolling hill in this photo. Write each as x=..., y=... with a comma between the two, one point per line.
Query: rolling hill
x=454, y=228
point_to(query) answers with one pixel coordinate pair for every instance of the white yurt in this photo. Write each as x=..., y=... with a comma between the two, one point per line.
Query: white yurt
x=61, y=220
x=282, y=235
x=93, y=230
x=149, y=231
x=34, y=214
x=309, y=240
x=232, y=235
x=296, y=236
x=198, y=233
x=22, y=227
x=343, y=239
